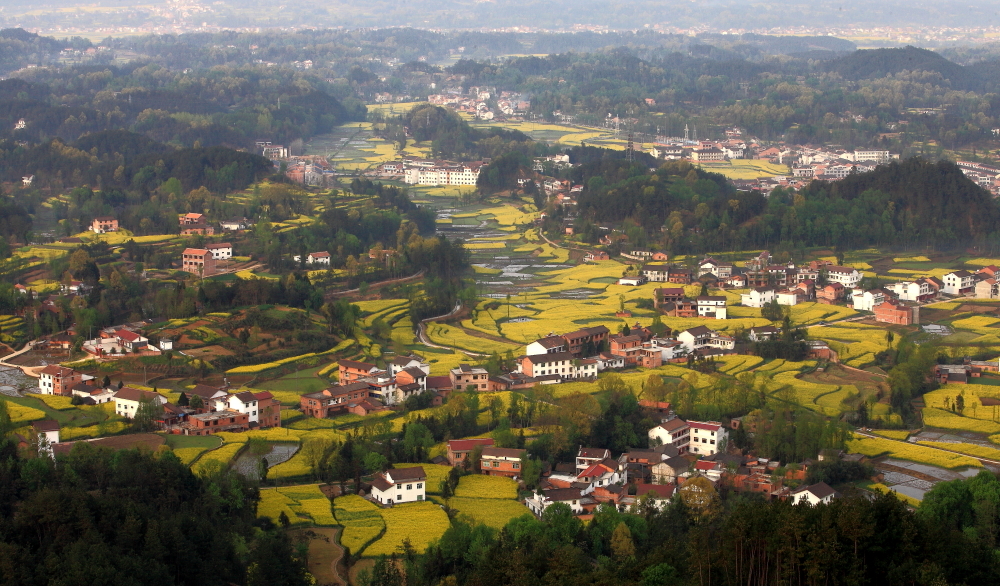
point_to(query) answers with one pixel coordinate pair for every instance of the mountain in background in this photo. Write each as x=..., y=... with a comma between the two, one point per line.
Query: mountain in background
x=490, y=14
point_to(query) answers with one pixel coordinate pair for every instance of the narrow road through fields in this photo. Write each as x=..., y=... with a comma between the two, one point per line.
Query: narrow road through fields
x=426, y=341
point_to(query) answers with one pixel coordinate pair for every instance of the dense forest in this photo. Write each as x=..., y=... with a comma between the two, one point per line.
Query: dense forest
x=216, y=89
x=684, y=209
x=706, y=538
x=103, y=517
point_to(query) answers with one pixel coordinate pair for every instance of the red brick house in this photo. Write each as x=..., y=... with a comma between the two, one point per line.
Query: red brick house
x=894, y=312
x=350, y=370
x=460, y=450
x=186, y=219
x=334, y=400
x=193, y=229
x=58, y=380
x=501, y=462
x=198, y=261
x=214, y=422
x=268, y=410
x=102, y=224
x=832, y=293
x=575, y=341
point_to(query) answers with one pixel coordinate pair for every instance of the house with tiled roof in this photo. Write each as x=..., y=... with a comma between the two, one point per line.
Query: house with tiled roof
x=707, y=437
x=459, y=451
x=814, y=494
x=674, y=432
x=131, y=341
x=333, y=400
x=400, y=485
x=587, y=457
x=58, y=380
x=128, y=399
x=352, y=370
x=658, y=494
x=501, y=461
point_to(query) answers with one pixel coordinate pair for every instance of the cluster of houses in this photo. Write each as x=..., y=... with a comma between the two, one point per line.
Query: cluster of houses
x=312, y=170
x=124, y=339
x=476, y=102
x=984, y=175
x=417, y=171
x=679, y=451
x=788, y=284
x=222, y=409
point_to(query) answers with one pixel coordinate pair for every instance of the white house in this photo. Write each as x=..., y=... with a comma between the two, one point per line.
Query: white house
x=910, y=290
x=710, y=266
x=632, y=281
x=127, y=401
x=759, y=334
x=847, y=276
x=572, y=497
x=48, y=434
x=705, y=337
x=959, y=283
x=245, y=403
x=669, y=349
x=867, y=300
x=658, y=494
x=220, y=251
x=787, y=297
x=546, y=345
x=815, y=494
x=603, y=473
x=609, y=361
x=656, y=273
x=315, y=258
x=401, y=363
x=757, y=297
x=707, y=438
x=712, y=306
x=987, y=289
x=674, y=432
x=400, y=485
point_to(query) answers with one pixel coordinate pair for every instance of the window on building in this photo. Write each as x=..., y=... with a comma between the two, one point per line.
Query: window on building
x=409, y=487
x=420, y=485
x=399, y=487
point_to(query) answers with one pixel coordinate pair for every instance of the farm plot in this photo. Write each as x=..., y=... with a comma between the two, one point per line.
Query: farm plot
x=494, y=513
x=873, y=447
x=420, y=523
x=486, y=487
x=361, y=519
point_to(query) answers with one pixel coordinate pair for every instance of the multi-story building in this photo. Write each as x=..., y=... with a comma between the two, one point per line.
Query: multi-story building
x=102, y=224
x=757, y=297
x=501, y=462
x=847, y=276
x=707, y=438
x=466, y=376
x=894, y=312
x=712, y=306
x=334, y=400
x=198, y=261
x=400, y=485
x=674, y=432
x=585, y=338
x=352, y=370
x=58, y=380
x=959, y=283
x=214, y=422
x=459, y=451
x=127, y=401
x=220, y=251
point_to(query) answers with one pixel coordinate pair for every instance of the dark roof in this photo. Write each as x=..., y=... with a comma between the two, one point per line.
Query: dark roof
x=466, y=445
x=356, y=364
x=379, y=482
x=415, y=372
x=663, y=491
x=130, y=394
x=204, y=391
x=405, y=474
x=502, y=452
x=821, y=490
x=46, y=425
x=438, y=382
x=246, y=396
x=555, y=356
x=593, y=453
x=551, y=341
x=699, y=330
x=563, y=494
x=677, y=463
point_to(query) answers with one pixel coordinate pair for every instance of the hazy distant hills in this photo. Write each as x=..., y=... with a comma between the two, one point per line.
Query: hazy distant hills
x=627, y=14
x=874, y=63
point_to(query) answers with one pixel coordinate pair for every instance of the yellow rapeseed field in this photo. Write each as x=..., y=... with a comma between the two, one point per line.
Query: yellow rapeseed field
x=488, y=487
x=421, y=523
x=913, y=453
